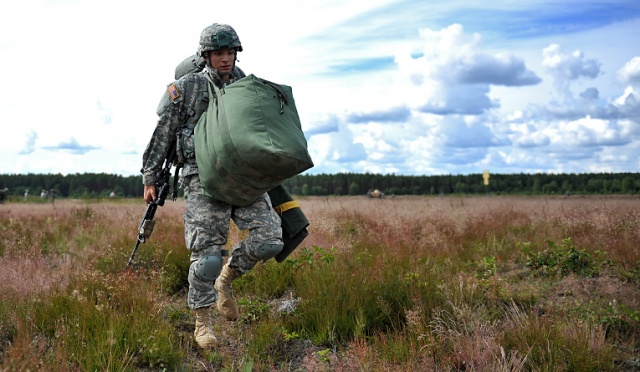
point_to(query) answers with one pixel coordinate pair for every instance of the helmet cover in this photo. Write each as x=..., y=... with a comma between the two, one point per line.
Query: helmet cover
x=217, y=37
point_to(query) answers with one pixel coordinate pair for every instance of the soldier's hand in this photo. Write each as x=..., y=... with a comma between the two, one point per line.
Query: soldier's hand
x=150, y=193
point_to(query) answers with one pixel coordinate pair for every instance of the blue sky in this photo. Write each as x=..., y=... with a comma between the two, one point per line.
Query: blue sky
x=383, y=86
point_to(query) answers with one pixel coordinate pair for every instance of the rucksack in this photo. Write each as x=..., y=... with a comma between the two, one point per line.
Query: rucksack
x=249, y=140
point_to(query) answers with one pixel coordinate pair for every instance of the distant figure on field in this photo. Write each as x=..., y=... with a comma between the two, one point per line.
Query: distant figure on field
x=26, y=194
x=112, y=195
x=375, y=194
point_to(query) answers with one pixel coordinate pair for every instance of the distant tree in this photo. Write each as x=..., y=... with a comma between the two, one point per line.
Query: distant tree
x=536, y=186
x=550, y=188
x=615, y=186
x=594, y=186
x=354, y=189
x=461, y=187
x=627, y=185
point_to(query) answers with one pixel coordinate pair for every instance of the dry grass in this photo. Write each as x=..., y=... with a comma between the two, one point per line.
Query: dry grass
x=444, y=225
x=454, y=266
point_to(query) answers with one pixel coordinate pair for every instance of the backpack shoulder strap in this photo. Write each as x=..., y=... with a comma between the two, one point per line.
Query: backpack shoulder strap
x=193, y=86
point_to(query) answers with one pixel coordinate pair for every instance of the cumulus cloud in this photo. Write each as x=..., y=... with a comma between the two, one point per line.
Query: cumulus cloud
x=500, y=69
x=30, y=143
x=461, y=100
x=466, y=134
x=628, y=105
x=527, y=135
x=452, y=56
x=396, y=114
x=72, y=146
x=336, y=150
x=380, y=145
x=630, y=72
x=454, y=75
x=324, y=125
x=589, y=132
x=590, y=94
x=567, y=67
x=589, y=103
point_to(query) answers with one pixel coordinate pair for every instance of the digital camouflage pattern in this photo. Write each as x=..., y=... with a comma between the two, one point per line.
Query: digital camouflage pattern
x=175, y=111
x=206, y=223
x=217, y=37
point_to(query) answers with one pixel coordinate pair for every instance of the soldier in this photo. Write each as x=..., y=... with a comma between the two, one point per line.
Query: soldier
x=206, y=220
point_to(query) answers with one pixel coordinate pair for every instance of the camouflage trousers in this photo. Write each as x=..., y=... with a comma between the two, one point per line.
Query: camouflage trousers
x=206, y=229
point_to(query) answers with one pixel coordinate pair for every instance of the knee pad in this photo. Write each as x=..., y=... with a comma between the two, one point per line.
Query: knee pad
x=268, y=250
x=208, y=267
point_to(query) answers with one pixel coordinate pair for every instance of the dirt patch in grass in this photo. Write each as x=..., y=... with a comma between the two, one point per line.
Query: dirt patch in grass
x=607, y=289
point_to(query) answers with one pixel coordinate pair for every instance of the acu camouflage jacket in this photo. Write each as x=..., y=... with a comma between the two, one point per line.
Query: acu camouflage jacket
x=182, y=104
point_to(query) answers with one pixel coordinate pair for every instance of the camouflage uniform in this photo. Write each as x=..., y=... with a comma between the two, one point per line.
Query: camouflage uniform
x=206, y=220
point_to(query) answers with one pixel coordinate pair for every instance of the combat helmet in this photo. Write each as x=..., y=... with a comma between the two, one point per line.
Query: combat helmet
x=218, y=36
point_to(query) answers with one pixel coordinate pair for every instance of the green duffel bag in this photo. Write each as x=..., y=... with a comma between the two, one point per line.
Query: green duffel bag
x=260, y=130
x=249, y=140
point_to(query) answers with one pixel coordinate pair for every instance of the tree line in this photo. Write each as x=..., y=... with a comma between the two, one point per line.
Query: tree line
x=511, y=184
x=98, y=185
x=79, y=185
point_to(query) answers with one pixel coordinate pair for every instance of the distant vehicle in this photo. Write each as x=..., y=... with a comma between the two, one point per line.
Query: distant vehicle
x=377, y=194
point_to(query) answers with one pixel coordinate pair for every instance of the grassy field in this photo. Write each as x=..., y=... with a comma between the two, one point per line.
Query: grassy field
x=406, y=283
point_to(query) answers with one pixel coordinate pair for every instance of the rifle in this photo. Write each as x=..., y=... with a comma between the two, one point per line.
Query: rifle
x=147, y=224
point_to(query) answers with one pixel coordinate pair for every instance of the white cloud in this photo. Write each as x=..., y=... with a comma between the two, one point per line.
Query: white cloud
x=568, y=67
x=453, y=74
x=30, y=143
x=630, y=72
x=448, y=99
x=451, y=56
x=590, y=132
x=529, y=137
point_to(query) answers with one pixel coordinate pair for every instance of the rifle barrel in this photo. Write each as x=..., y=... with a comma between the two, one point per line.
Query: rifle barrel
x=164, y=175
x=133, y=253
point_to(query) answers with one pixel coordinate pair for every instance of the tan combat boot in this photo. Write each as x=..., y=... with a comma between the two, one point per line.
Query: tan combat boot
x=204, y=328
x=227, y=305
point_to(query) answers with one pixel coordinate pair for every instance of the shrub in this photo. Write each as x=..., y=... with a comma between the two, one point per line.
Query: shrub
x=563, y=259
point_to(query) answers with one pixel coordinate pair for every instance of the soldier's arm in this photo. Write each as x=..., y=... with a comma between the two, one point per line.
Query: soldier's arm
x=163, y=136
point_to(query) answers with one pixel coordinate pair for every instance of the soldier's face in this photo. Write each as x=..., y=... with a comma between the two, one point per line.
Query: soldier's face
x=223, y=60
